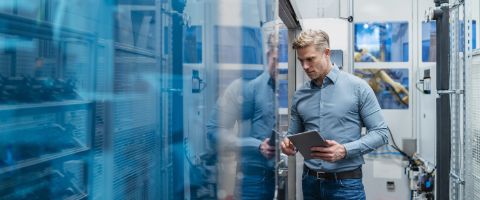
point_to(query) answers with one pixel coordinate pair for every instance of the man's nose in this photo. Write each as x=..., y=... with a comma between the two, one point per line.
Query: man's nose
x=305, y=66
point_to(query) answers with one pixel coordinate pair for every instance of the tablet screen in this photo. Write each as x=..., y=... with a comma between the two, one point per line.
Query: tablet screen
x=306, y=140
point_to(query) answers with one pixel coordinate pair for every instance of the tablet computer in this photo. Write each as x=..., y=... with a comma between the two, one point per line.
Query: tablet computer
x=304, y=141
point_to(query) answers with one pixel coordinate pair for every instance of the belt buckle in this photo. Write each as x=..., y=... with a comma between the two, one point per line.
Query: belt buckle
x=318, y=175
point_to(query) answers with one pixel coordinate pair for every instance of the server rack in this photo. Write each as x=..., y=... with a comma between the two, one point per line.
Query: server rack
x=133, y=136
x=46, y=125
x=106, y=80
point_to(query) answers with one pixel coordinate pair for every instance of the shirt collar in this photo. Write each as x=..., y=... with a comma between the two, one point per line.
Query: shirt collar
x=333, y=74
x=271, y=83
x=332, y=77
x=270, y=80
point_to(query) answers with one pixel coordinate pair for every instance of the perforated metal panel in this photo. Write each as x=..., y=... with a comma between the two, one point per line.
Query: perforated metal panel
x=472, y=111
x=133, y=134
x=456, y=102
x=473, y=114
x=103, y=86
x=27, y=52
x=133, y=164
x=76, y=64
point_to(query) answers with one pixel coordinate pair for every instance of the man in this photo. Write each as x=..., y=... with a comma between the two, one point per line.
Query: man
x=337, y=104
x=250, y=105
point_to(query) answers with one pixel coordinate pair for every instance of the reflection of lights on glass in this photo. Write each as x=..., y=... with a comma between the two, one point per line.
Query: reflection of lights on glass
x=387, y=26
x=365, y=26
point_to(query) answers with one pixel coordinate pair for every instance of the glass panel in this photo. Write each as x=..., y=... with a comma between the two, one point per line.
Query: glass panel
x=381, y=42
x=45, y=106
x=462, y=34
x=7, y=6
x=140, y=99
x=429, y=41
x=226, y=49
x=193, y=45
x=390, y=86
x=283, y=46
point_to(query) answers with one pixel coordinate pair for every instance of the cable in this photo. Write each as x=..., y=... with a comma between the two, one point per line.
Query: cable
x=413, y=162
x=395, y=146
x=433, y=170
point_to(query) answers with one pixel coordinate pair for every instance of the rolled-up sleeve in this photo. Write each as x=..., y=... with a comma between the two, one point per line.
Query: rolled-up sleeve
x=372, y=118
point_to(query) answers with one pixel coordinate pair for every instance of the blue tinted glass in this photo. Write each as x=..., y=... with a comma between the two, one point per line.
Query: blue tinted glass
x=474, y=34
x=336, y=56
x=100, y=99
x=246, y=48
x=193, y=45
x=381, y=42
x=283, y=93
x=429, y=33
x=389, y=85
x=283, y=46
x=429, y=40
x=462, y=35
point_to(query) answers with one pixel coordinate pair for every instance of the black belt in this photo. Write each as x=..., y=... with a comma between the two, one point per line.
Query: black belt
x=353, y=174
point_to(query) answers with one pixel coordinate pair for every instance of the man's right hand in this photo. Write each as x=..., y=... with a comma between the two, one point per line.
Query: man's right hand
x=287, y=147
x=267, y=150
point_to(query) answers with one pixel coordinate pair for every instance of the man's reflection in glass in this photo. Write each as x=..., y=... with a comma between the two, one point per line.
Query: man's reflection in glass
x=249, y=106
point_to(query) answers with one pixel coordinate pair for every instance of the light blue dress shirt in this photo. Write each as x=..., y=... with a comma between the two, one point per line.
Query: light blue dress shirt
x=338, y=110
x=249, y=104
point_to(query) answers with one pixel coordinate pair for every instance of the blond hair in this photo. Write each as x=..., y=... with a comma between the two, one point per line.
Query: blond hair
x=318, y=38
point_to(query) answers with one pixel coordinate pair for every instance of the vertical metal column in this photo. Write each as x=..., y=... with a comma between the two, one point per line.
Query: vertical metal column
x=292, y=161
x=456, y=111
x=471, y=164
x=166, y=149
x=351, y=38
x=159, y=58
x=177, y=131
x=443, y=101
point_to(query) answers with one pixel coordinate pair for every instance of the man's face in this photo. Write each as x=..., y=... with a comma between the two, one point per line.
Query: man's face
x=316, y=64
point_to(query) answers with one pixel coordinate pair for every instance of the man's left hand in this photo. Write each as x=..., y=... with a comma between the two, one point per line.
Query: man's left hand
x=331, y=152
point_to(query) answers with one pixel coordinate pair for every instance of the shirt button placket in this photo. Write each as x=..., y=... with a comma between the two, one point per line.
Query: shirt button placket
x=320, y=111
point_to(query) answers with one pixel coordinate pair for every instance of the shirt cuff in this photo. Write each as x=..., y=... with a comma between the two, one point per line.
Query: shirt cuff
x=352, y=149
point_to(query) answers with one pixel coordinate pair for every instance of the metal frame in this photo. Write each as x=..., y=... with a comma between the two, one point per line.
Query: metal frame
x=456, y=83
x=468, y=135
x=292, y=163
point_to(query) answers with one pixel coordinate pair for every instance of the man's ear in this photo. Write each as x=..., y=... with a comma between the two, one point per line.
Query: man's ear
x=327, y=51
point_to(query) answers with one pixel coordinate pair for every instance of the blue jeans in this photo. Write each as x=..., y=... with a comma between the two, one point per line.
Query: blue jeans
x=340, y=189
x=258, y=186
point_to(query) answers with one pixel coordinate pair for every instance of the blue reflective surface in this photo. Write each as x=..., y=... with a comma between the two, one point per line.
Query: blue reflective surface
x=429, y=38
x=390, y=86
x=109, y=99
x=192, y=49
x=246, y=49
x=381, y=42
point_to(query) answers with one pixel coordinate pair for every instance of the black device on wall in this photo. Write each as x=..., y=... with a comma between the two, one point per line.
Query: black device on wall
x=427, y=84
x=198, y=84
